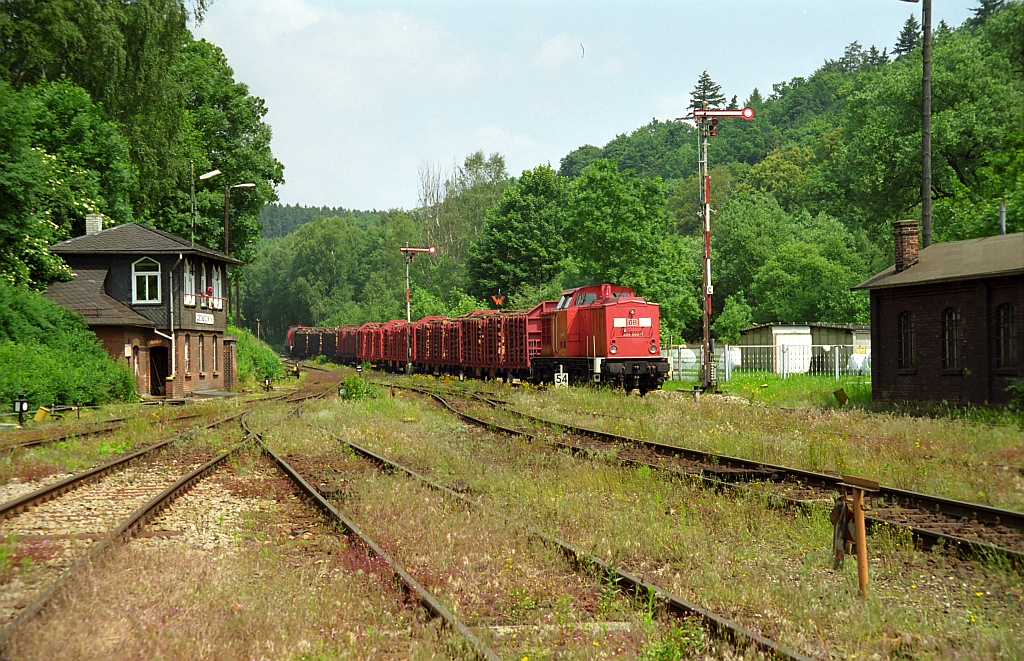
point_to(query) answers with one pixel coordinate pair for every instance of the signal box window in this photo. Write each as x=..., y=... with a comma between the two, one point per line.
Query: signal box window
x=1006, y=336
x=146, y=281
x=951, y=339
x=907, y=357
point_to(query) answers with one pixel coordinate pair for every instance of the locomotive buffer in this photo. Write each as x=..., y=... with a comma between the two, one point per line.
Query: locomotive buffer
x=706, y=120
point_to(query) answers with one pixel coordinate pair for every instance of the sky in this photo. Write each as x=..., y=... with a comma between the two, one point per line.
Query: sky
x=361, y=95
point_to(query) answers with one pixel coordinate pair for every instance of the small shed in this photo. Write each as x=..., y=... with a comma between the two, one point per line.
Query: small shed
x=787, y=348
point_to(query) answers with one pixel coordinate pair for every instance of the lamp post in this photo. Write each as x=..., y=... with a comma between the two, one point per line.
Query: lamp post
x=227, y=248
x=410, y=256
x=926, y=122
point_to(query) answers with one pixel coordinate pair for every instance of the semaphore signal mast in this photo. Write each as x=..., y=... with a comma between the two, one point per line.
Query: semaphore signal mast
x=707, y=125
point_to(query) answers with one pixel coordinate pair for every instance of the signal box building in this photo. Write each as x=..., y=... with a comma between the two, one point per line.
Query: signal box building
x=157, y=303
x=946, y=320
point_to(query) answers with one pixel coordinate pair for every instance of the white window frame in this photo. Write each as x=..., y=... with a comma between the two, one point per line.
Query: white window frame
x=204, y=299
x=188, y=353
x=202, y=354
x=214, y=353
x=190, y=283
x=135, y=282
x=218, y=289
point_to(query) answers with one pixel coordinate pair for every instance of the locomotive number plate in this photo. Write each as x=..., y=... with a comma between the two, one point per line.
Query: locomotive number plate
x=635, y=322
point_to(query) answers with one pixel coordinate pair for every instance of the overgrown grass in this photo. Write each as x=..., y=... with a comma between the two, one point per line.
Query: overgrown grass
x=731, y=553
x=956, y=458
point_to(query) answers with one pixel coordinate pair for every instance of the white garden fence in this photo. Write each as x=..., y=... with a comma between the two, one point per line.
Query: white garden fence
x=836, y=361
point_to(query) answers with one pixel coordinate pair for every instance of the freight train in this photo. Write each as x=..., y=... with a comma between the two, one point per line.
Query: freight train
x=601, y=333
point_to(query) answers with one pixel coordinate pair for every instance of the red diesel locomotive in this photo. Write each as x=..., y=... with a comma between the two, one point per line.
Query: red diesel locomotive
x=601, y=333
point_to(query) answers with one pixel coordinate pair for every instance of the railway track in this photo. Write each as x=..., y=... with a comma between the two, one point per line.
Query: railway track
x=583, y=562
x=130, y=491
x=971, y=529
x=93, y=429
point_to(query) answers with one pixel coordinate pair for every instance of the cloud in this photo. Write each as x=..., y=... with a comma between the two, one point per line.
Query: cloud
x=558, y=50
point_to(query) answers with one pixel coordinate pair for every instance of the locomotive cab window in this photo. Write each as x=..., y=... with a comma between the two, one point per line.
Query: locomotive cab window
x=585, y=299
x=563, y=302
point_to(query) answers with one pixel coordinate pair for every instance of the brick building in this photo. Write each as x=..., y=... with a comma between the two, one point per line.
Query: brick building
x=946, y=320
x=156, y=301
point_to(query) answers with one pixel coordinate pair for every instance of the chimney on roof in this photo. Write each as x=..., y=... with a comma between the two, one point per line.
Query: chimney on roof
x=905, y=234
x=93, y=223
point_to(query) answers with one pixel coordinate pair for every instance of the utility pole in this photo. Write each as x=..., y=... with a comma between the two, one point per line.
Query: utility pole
x=410, y=256
x=707, y=125
x=926, y=126
x=926, y=123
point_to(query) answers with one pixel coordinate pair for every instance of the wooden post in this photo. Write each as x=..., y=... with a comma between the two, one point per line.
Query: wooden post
x=860, y=538
x=860, y=485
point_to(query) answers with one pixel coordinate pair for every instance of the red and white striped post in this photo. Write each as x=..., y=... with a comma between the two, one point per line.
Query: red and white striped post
x=707, y=123
x=410, y=255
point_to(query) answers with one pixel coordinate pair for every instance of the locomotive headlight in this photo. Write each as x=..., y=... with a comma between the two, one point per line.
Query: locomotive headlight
x=653, y=348
x=614, y=349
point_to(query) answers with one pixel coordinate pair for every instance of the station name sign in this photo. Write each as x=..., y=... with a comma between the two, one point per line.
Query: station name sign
x=204, y=318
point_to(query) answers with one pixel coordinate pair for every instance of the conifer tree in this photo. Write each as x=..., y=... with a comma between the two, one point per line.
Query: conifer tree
x=734, y=104
x=706, y=90
x=910, y=38
x=984, y=9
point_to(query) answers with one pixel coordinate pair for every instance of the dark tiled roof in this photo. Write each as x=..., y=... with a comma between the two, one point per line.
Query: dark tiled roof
x=990, y=257
x=85, y=296
x=131, y=239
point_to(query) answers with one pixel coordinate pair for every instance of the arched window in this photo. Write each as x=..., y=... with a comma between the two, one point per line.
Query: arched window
x=218, y=290
x=190, y=283
x=188, y=353
x=214, y=353
x=135, y=360
x=146, y=281
x=1006, y=336
x=951, y=339
x=203, y=297
x=906, y=341
x=202, y=354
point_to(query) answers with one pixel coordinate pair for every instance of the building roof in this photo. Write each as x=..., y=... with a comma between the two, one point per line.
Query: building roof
x=84, y=295
x=134, y=239
x=846, y=327
x=989, y=257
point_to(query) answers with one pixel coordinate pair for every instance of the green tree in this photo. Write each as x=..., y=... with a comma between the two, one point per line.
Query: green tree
x=578, y=160
x=735, y=316
x=982, y=12
x=706, y=91
x=523, y=241
x=909, y=39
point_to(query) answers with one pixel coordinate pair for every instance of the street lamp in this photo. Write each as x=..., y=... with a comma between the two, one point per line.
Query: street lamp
x=410, y=255
x=227, y=248
x=926, y=123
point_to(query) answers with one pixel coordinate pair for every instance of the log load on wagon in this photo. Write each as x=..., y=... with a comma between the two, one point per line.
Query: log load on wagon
x=600, y=333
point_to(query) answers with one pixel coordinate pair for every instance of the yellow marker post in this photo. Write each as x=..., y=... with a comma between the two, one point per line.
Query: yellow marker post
x=860, y=486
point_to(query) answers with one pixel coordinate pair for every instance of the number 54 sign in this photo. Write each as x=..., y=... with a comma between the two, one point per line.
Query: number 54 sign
x=561, y=379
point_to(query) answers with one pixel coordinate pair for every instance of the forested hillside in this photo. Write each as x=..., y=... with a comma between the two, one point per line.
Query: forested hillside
x=804, y=197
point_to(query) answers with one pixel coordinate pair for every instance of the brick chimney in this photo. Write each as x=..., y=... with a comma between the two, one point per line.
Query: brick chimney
x=93, y=223
x=905, y=233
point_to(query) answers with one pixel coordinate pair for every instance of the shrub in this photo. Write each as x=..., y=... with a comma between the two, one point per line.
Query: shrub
x=357, y=388
x=48, y=354
x=256, y=360
x=1016, y=389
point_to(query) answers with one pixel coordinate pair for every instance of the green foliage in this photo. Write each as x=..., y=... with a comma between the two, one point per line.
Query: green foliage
x=523, y=240
x=255, y=359
x=682, y=641
x=357, y=388
x=735, y=316
x=50, y=356
x=706, y=91
x=280, y=220
x=1016, y=389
